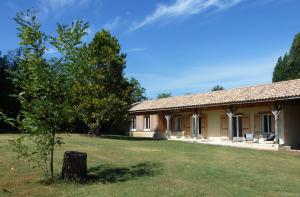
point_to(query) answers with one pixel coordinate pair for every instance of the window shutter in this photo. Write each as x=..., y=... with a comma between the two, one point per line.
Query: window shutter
x=204, y=125
x=192, y=126
x=224, y=125
x=246, y=124
x=257, y=124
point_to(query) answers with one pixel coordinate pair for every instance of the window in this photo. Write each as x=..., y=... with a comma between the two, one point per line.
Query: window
x=196, y=126
x=147, y=123
x=237, y=126
x=133, y=123
x=178, y=124
x=267, y=123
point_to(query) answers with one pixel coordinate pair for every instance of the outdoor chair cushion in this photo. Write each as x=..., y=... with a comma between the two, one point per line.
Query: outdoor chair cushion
x=271, y=137
x=249, y=136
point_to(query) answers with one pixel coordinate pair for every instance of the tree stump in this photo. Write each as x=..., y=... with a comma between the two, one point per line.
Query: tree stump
x=74, y=166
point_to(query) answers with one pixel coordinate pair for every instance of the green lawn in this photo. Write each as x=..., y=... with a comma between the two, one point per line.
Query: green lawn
x=124, y=167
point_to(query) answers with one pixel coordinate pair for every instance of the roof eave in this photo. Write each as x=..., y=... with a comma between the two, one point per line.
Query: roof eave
x=218, y=104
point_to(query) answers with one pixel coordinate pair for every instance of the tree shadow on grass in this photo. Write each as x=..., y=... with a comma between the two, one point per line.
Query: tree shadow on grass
x=109, y=174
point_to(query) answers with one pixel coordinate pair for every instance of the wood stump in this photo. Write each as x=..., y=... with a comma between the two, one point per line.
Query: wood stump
x=74, y=166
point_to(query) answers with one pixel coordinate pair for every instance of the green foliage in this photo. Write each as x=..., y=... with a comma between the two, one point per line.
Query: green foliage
x=9, y=105
x=138, y=92
x=217, y=87
x=43, y=99
x=104, y=93
x=85, y=82
x=164, y=95
x=288, y=67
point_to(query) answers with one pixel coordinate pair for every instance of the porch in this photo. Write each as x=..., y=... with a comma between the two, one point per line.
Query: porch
x=219, y=142
x=225, y=126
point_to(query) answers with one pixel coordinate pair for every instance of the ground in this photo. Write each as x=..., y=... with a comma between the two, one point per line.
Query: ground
x=126, y=167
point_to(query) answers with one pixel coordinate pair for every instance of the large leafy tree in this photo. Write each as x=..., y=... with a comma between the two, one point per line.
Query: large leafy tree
x=105, y=94
x=288, y=66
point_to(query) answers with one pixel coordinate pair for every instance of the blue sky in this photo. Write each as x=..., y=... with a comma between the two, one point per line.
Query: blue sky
x=178, y=46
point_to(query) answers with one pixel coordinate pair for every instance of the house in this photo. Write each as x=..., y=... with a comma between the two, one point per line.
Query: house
x=262, y=110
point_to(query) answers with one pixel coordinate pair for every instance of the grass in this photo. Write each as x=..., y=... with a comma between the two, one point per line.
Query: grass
x=125, y=167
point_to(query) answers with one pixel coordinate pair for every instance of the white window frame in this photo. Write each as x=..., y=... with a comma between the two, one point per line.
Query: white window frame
x=145, y=123
x=263, y=123
x=133, y=124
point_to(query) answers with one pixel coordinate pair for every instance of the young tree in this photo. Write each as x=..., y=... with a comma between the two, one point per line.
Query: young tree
x=217, y=88
x=163, y=95
x=288, y=67
x=43, y=98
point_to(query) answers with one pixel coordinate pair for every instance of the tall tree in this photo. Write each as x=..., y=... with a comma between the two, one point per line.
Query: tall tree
x=288, y=67
x=43, y=98
x=106, y=94
x=164, y=95
x=217, y=87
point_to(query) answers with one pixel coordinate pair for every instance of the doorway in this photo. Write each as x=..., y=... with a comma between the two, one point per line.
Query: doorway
x=196, y=126
x=237, y=126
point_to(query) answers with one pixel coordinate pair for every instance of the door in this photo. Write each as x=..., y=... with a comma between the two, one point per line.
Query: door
x=178, y=124
x=237, y=126
x=196, y=126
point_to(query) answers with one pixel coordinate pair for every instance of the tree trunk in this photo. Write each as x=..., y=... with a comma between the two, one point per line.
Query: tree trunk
x=51, y=162
x=52, y=155
x=74, y=166
x=98, y=127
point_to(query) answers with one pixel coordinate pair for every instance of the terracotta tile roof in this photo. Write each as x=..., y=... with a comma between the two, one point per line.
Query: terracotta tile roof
x=260, y=93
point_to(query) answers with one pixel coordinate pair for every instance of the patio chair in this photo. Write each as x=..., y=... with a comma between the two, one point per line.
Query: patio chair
x=271, y=137
x=91, y=132
x=249, y=137
x=179, y=134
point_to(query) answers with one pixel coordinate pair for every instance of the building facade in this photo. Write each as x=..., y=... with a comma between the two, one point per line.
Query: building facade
x=264, y=111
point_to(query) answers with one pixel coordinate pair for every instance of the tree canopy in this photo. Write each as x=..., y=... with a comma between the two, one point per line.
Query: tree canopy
x=164, y=95
x=9, y=104
x=288, y=66
x=217, y=88
x=85, y=81
x=105, y=94
x=138, y=92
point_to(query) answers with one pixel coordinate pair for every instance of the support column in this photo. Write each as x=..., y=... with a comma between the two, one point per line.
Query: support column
x=230, y=115
x=196, y=126
x=276, y=115
x=168, y=131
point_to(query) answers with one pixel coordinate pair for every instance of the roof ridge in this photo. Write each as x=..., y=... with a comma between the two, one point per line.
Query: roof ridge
x=237, y=88
x=283, y=90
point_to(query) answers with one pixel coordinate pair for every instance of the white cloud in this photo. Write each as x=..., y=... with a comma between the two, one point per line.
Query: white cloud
x=137, y=49
x=56, y=6
x=113, y=25
x=183, y=8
